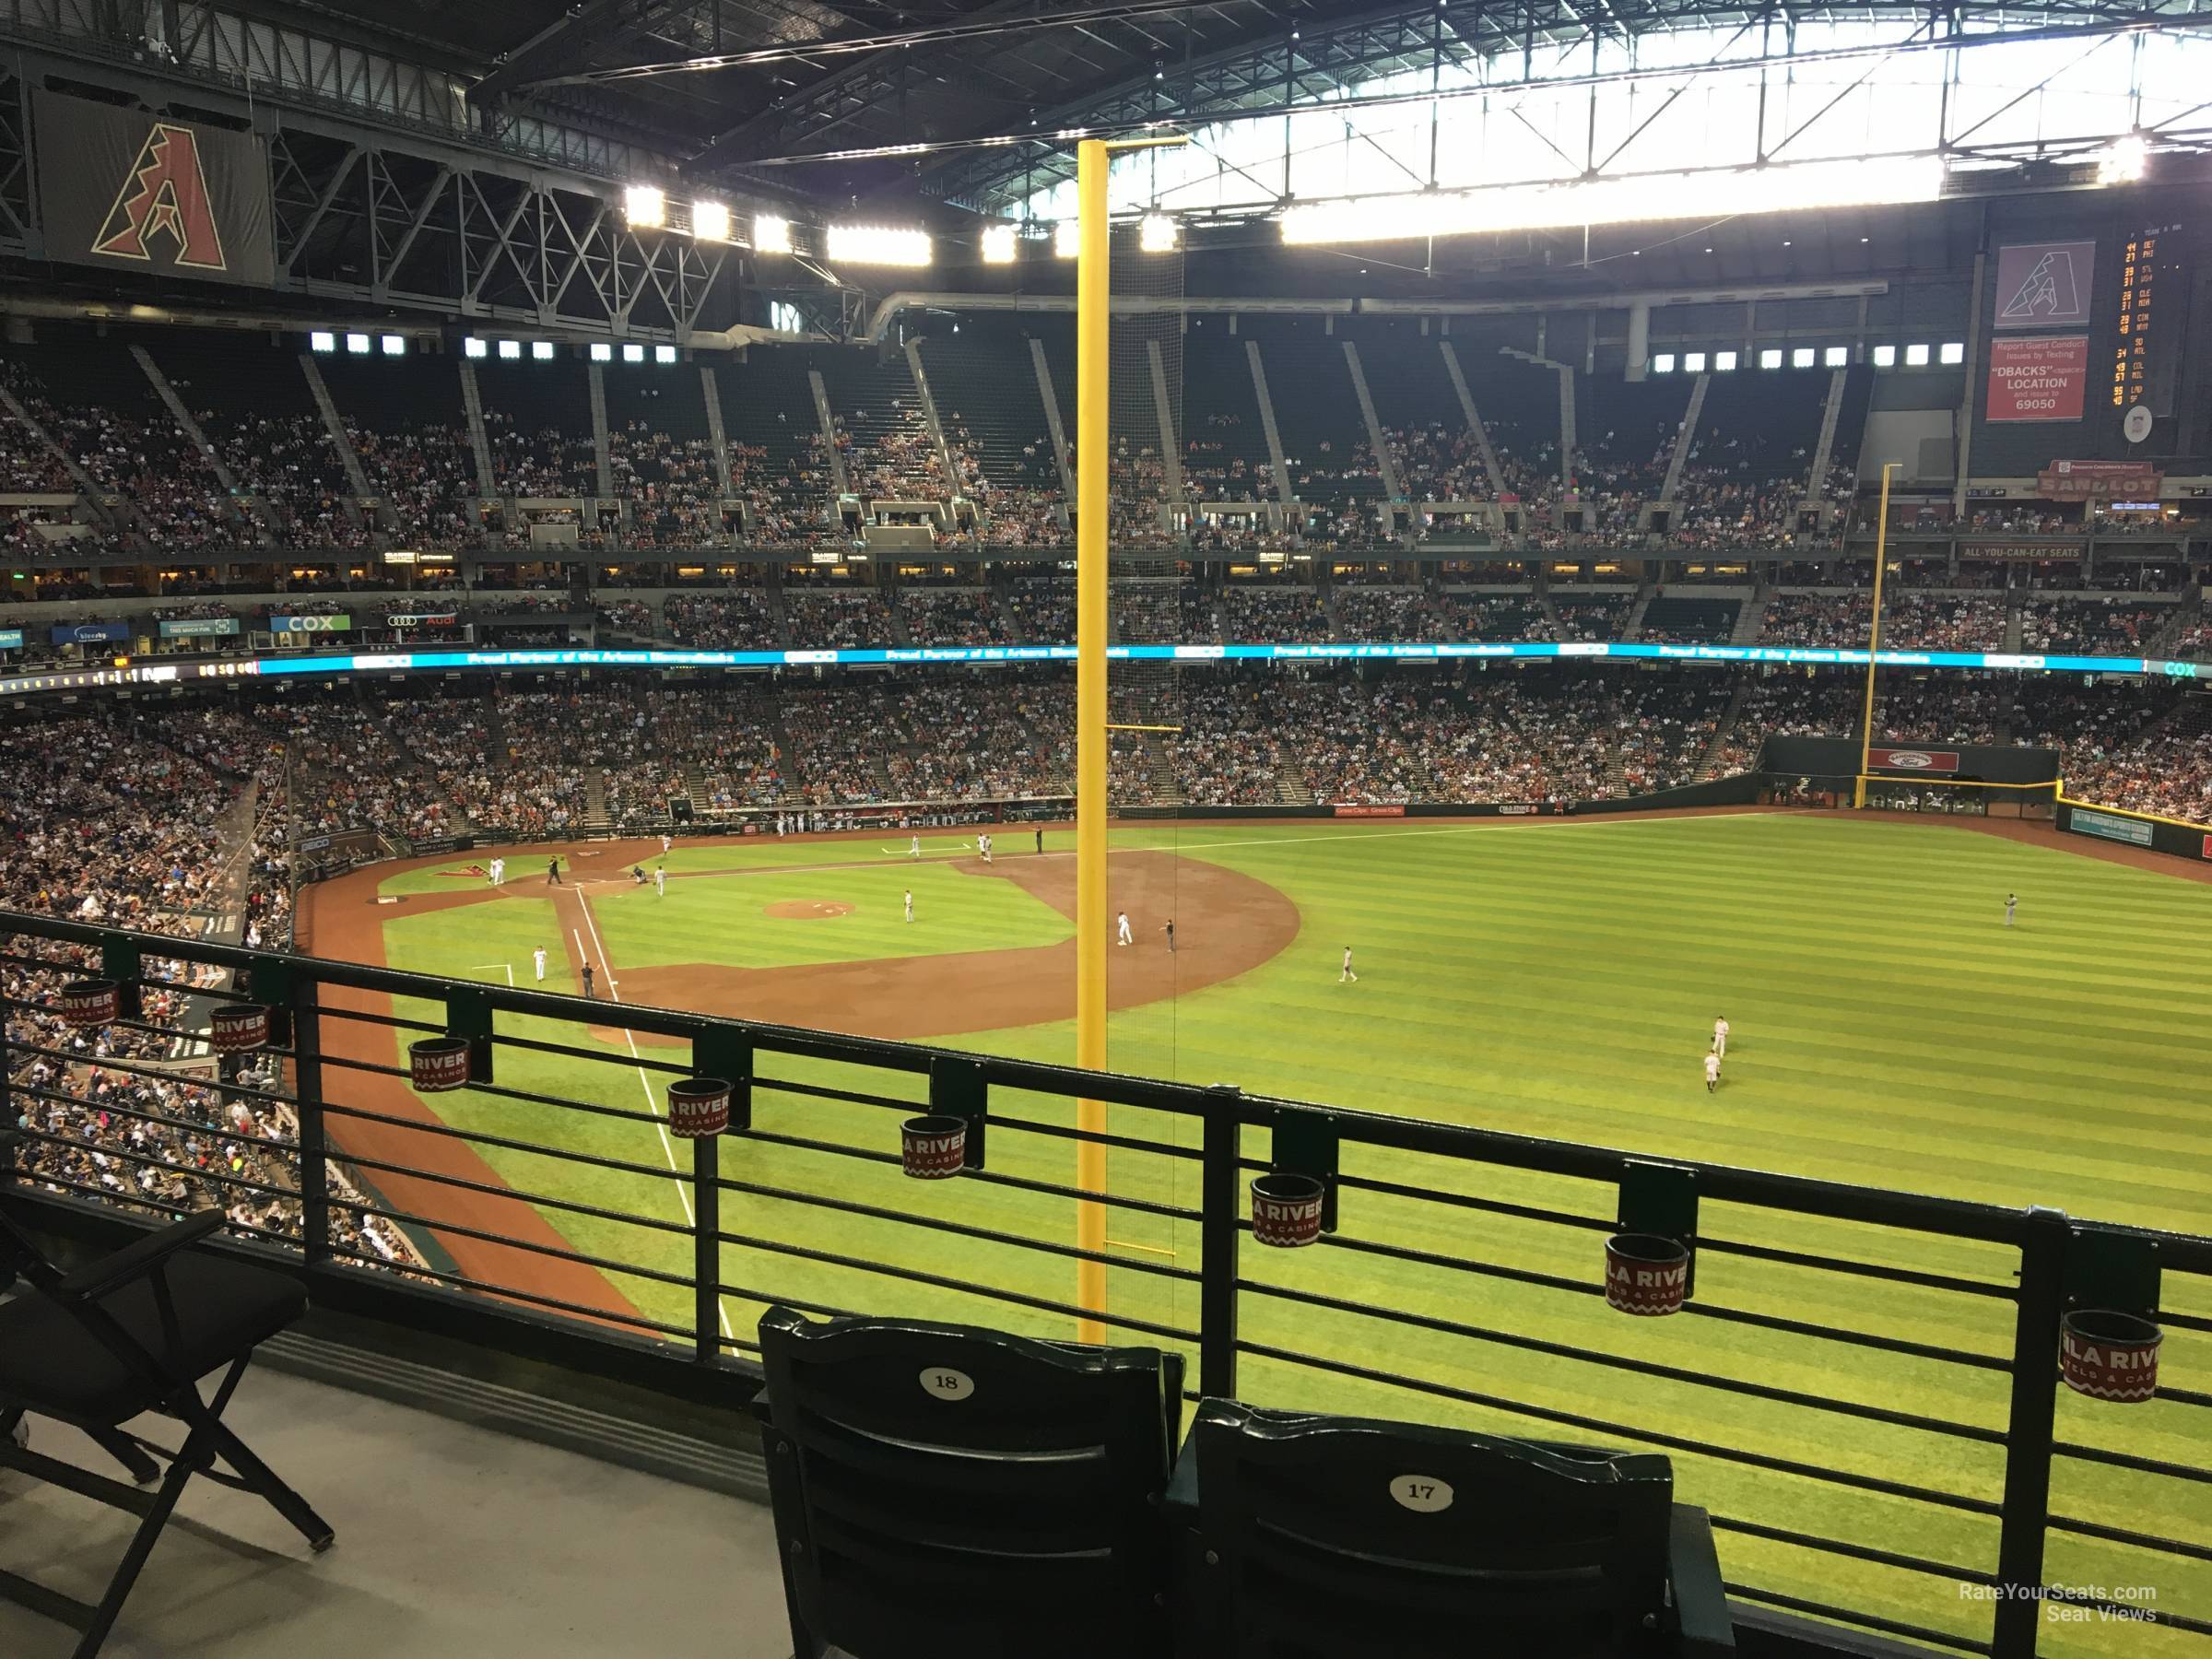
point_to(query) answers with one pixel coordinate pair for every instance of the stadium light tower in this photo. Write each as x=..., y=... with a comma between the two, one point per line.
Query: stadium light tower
x=1094, y=296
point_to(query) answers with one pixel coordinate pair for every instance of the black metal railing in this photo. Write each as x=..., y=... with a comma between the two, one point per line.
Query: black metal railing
x=1861, y=1385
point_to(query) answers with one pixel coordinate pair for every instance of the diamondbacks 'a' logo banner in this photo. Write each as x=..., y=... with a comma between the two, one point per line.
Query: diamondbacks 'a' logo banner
x=125, y=189
x=2041, y=284
x=166, y=195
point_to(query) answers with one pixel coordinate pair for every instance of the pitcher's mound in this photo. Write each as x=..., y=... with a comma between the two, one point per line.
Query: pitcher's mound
x=807, y=910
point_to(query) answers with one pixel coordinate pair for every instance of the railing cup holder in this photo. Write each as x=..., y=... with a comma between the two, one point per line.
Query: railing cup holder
x=1646, y=1275
x=2109, y=1355
x=436, y=1064
x=1286, y=1210
x=238, y=1028
x=932, y=1148
x=89, y=1002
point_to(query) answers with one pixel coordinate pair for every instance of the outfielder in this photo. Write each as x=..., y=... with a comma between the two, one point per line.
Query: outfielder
x=1719, y=1039
x=1120, y=928
x=1348, y=973
x=1712, y=1072
x=910, y=904
x=660, y=880
x=913, y=847
x=537, y=961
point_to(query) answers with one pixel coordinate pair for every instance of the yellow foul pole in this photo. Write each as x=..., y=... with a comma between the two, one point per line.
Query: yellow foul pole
x=1874, y=639
x=1093, y=290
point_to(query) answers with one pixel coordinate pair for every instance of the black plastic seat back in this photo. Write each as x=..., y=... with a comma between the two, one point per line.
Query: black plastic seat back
x=1328, y=1538
x=946, y=1490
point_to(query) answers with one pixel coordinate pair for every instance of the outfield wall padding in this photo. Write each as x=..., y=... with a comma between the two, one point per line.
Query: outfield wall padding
x=1839, y=757
x=2183, y=840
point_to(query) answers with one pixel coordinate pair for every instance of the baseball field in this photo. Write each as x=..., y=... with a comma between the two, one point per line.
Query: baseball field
x=1555, y=978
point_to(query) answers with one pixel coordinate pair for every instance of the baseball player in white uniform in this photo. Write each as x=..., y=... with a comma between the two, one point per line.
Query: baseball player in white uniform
x=537, y=961
x=1120, y=928
x=499, y=871
x=665, y=843
x=660, y=880
x=1348, y=973
x=910, y=904
x=2012, y=901
x=1712, y=1072
x=1719, y=1039
x=913, y=847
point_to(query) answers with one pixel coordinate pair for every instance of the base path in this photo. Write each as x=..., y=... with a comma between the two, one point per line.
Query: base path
x=339, y=919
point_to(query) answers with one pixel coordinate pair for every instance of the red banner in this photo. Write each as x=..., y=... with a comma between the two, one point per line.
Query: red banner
x=2208, y=852
x=2081, y=480
x=1368, y=811
x=2042, y=377
x=1914, y=759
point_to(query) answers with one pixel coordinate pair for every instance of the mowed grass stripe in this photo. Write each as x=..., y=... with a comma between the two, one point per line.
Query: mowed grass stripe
x=1561, y=980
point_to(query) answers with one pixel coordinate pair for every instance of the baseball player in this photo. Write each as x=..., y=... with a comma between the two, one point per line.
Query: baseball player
x=665, y=843
x=537, y=961
x=660, y=880
x=1712, y=1072
x=910, y=904
x=587, y=979
x=2012, y=901
x=553, y=871
x=498, y=869
x=1719, y=1039
x=913, y=847
x=1120, y=928
x=1348, y=973
x=984, y=841
x=1040, y=843
x=1170, y=931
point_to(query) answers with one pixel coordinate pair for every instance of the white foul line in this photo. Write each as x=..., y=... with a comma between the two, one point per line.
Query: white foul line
x=607, y=971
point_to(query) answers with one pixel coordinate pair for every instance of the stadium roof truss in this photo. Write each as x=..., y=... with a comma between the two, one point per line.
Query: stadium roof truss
x=1461, y=96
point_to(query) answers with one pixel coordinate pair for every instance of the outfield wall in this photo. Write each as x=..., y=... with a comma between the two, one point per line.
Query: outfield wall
x=1839, y=758
x=2193, y=841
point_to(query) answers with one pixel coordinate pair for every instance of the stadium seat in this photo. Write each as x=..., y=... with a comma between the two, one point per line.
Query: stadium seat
x=1323, y=1538
x=130, y=1334
x=941, y=1490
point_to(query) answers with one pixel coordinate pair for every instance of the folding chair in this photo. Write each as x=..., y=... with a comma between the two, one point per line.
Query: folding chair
x=944, y=1492
x=130, y=1334
x=1317, y=1537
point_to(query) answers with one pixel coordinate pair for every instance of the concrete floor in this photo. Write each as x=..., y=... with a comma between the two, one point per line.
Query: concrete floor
x=452, y=1541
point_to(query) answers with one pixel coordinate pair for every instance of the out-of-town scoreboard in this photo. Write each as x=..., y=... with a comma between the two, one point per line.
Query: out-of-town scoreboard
x=2148, y=308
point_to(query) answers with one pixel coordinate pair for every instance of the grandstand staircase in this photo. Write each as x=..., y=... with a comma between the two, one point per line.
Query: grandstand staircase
x=1815, y=483
x=478, y=443
x=263, y=515
x=1171, y=445
x=1685, y=438
x=1481, y=433
x=597, y=820
x=1551, y=612
x=1061, y=458
x=777, y=610
x=2190, y=611
x=2015, y=621
x=1291, y=786
x=341, y=440
x=602, y=466
x=1385, y=462
x=724, y=478
x=929, y=418
x=1751, y=618
x=83, y=480
x=695, y=786
x=1617, y=777
x=827, y=425
x=1632, y=626
x=1277, y=465
x=1723, y=729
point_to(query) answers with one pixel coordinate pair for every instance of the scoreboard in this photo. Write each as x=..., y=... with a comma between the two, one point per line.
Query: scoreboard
x=2148, y=306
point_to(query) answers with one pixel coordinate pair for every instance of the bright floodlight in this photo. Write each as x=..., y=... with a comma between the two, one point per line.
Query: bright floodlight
x=474, y=346
x=541, y=351
x=357, y=344
x=1810, y=185
x=394, y=345
x=322, y=339
x=664, y=354
x=770, y=234
x=999, y=244
x=645, y=206
x=1067, y=239
x=711, y=221
x=633, y=353
x=877, y=244
x=602, y=352
x=1155, y=233
x=511, y=349
x=2124, y=162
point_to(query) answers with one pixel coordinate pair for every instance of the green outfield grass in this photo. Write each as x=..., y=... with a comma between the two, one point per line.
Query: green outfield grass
x=1558, y=979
